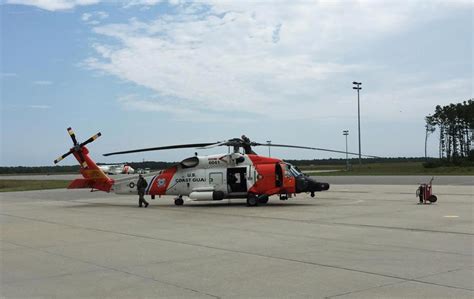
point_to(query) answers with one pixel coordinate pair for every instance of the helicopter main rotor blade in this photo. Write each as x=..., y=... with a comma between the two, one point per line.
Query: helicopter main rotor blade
x=220, y=143
x=192, y=145
x=311, y=148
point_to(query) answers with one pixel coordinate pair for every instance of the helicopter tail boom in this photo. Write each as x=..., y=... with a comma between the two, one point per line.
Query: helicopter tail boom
x=93, y=176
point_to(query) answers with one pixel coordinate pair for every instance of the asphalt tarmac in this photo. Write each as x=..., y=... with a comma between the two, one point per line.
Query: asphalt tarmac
x=354, y=241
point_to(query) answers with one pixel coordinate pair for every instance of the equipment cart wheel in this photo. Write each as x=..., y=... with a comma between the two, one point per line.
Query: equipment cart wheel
x=432, y=198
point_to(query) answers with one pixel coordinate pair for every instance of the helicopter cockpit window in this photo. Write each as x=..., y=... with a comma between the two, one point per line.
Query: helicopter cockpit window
x=292, y=170
x=288, y=172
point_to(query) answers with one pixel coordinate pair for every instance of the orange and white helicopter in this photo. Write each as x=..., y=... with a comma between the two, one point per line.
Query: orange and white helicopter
x=206, y=178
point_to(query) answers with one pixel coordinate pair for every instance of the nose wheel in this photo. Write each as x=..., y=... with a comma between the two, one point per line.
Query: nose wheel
x=179, y=201
x=252, y=200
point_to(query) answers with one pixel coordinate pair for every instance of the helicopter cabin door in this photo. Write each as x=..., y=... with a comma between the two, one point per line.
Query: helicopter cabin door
x=216, y=180
x=237, y=179
x=278, y=175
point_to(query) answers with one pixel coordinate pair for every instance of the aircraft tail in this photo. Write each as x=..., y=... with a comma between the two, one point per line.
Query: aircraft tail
x=94, y=177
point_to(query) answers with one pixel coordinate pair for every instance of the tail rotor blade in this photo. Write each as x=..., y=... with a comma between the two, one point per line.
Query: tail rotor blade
x=77, y=148
x=91, y=139
x=73, y=136
x=62, y=157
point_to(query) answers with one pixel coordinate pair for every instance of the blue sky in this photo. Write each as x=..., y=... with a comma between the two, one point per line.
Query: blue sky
x=149, y=73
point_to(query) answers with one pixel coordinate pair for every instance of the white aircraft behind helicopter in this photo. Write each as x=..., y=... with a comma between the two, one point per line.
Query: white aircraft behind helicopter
x=117, y=169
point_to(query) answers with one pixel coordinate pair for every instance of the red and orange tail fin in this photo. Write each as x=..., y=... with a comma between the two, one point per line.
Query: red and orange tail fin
x=94, y=177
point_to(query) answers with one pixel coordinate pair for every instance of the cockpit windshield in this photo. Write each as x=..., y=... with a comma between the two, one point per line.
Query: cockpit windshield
x=292, y=170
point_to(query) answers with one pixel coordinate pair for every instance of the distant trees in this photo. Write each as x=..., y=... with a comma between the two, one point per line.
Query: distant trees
x=39, y=169
x=455, y=124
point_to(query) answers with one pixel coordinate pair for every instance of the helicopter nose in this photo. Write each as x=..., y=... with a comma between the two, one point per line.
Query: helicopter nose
x=317, y=186
x=307, y=184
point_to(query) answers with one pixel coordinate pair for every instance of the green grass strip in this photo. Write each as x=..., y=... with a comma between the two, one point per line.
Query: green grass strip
x=400, y=168
x=27, y=185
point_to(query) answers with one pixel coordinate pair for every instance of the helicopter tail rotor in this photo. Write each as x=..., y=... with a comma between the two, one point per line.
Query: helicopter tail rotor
x=94, y=177
x=77, y=148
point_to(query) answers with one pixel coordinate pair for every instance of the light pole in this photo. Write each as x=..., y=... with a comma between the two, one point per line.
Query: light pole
x=345, y=133
x=269, y=142
x=358, y=88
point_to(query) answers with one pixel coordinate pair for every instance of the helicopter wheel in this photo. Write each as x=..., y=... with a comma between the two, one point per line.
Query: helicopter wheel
x=252, y=200
x=263, y=199
x=312, y=194
x=179, y=201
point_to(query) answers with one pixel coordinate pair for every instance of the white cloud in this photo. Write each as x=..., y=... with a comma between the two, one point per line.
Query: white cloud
x=133, y=102
x=94, y=17
x=4, y=75
x=42, y=82
x=276, y=59
x=142, y=2
x=86, y=16
x=177, y=109
x=412, y=101
x=39, y=106
x=54, y=5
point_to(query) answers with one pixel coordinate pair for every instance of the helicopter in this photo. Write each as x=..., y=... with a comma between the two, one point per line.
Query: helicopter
x=240, y=173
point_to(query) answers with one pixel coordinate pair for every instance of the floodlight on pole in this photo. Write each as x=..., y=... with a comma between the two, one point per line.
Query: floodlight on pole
x=346, y=133
x=358, y=88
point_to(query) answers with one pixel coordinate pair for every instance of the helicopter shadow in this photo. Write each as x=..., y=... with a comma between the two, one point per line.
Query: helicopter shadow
x=80, y=205
x=244, y=204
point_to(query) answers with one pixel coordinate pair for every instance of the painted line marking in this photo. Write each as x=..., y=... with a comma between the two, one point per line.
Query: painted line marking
x=451, y=216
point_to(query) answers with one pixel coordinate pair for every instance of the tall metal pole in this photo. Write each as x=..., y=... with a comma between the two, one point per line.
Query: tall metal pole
x=358, y=123
x=269, y=142
x=346, y=132
x=358, y=88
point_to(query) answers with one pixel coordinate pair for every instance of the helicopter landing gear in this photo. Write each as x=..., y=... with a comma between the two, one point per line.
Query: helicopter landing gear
x=263, y=199
x=252, y=200
x=312, y=194
x=179, y=201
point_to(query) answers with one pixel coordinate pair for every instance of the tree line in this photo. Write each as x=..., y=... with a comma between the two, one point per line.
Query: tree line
x=455, y=125
x=157, y=165
x=72, y=169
